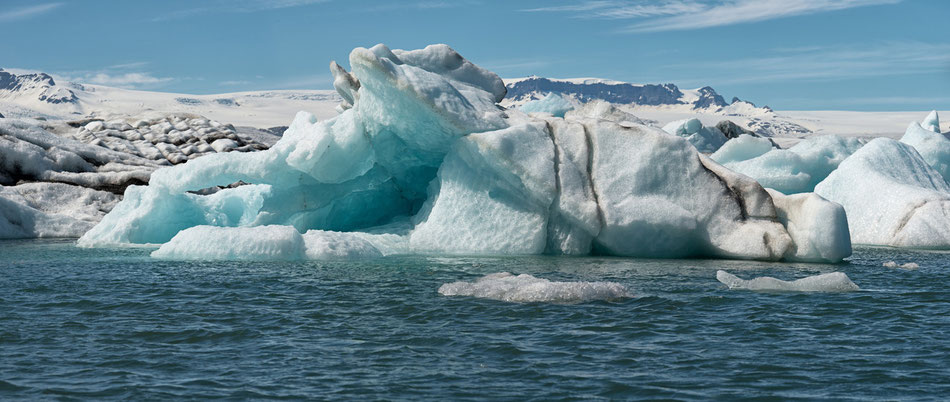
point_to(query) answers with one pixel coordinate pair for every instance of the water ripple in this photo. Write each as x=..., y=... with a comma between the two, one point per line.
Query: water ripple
x=114, y=324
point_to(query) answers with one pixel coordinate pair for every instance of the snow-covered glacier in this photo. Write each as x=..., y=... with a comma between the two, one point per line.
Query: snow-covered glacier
x=422, y=159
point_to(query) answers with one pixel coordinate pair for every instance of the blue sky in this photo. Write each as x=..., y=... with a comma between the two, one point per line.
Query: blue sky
x=789, y=54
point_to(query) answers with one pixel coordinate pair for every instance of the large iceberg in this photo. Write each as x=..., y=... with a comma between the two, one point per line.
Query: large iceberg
x=794, y=170
x=892, y=196
x=422, y=159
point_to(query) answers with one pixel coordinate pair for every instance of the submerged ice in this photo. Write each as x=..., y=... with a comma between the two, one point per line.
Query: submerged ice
x=525, y=288
x=422, y=159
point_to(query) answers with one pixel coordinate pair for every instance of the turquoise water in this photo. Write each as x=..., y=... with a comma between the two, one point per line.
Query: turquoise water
x=103, y=324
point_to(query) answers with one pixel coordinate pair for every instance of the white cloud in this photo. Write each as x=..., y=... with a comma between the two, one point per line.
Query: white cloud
x=125, y=80
x=673, y=15
x=421, y=5
x=625, y=10
x=234, y=6
x=233, y=83
x=126, y=75
x=27, y=12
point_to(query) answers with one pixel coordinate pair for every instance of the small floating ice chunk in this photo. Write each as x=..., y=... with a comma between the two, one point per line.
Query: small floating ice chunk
x=908, y=266
x=832, y=282
x=526, y=288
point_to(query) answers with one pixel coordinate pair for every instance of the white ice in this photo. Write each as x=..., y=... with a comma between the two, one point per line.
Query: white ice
x=892, y=197
x=907, y=266
x=741, y=148
x=705, y=139
x=934, y=147
x=270, y=242
x=818, y=227
x=526, y=288
x=51, y=210
x=553, y=103
x=795, y=170
x=831, y=282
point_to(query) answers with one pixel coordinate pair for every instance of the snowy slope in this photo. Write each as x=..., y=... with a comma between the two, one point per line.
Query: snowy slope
x=38, y=95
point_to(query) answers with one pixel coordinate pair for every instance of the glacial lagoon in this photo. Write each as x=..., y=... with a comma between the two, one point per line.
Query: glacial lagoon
x=116, y=323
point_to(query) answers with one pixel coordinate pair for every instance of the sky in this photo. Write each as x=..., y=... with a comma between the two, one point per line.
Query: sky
x=872, y=55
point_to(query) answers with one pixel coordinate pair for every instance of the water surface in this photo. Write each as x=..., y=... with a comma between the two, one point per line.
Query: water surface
x=98, y=324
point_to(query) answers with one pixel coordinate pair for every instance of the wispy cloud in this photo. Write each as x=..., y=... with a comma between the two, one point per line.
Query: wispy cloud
x=126, y=75
x=626, y=9
x=28, y=12
x=233, y=83
x=421, y=5
x=673, y=15
x=125, y=80
x=825, y=63
x=235, y=6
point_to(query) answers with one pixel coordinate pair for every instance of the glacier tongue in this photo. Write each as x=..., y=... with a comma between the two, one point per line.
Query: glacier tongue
x=422, y=143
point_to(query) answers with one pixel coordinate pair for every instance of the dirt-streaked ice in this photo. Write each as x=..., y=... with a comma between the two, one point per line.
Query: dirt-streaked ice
x=526, y=288
x=831, y=282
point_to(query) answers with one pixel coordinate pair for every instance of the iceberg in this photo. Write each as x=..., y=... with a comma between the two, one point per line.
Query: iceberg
x=818, y=227
x=422, y=159
x=794, y=170
x=931, y=122
x=892, y=197
x=741, y=148
x=363, y=168
x=705, y=139
x=33, y=210
x=603, y=110
x=525, y=288
x=932, y=146
x=831, y=282
x=553, y=103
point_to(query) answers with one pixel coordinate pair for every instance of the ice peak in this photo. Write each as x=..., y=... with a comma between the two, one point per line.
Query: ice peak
x=931, y=122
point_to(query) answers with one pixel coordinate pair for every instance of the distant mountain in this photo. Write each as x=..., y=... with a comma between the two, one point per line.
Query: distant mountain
x=38, y=86
x=587, y=89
